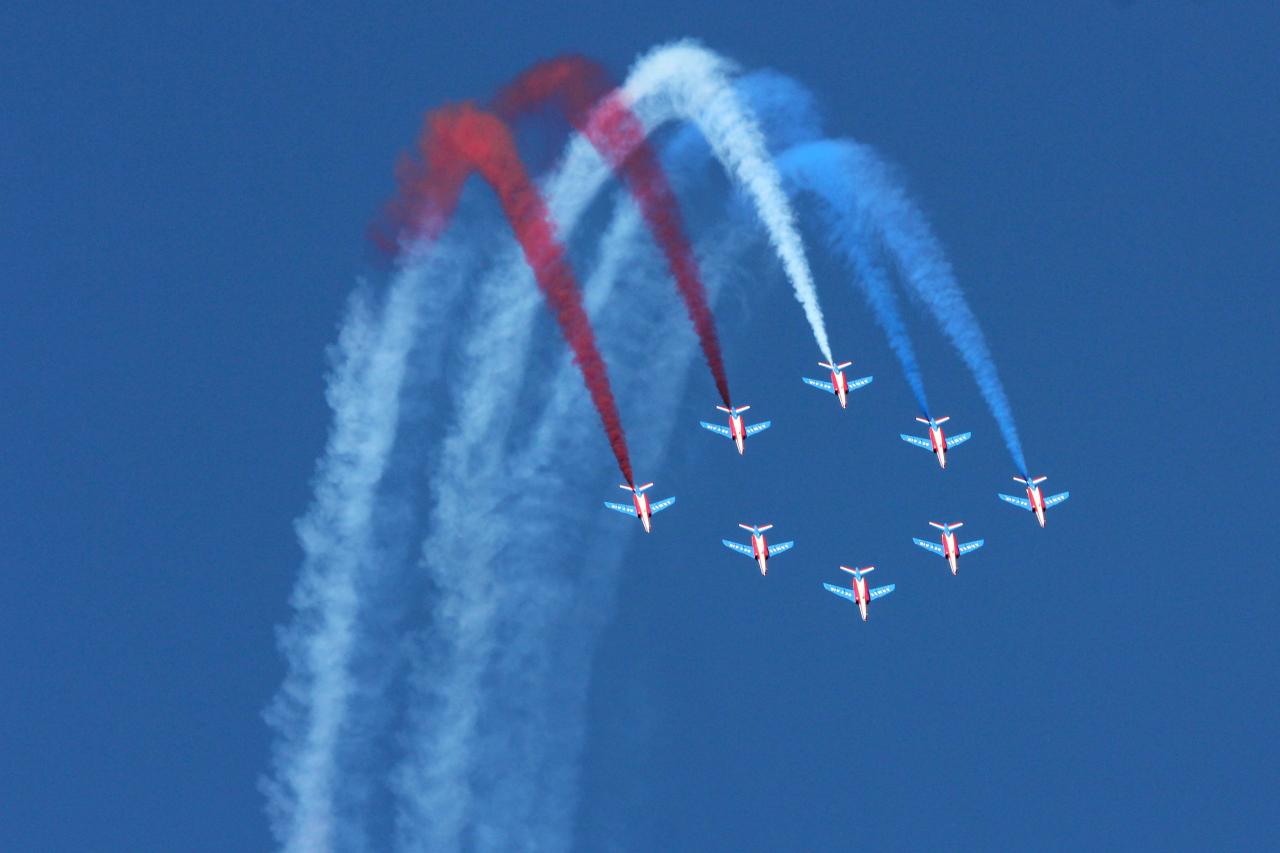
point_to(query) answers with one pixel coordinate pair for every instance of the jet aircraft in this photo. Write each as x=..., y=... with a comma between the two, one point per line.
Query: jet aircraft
x=937, y=442
x=736, y=431
x=1034, y=501
x=859, y=594
x=949, y=548
x=640, y=507
x=839, y=384
x=759, y=550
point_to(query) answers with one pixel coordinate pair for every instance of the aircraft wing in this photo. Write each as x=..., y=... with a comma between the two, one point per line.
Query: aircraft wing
x=1018, y=502
x=778, y=548
x=858, y=383
x=818, y=383
x=842, y=591
x=972, y=546
x=917, y=441
x=930, y=546
x=1056, y=499
x=627, y=508
x=717, y=428
x=739, y=547
x=881, y=591
x=654, y=509
x=953, y=440
x=760, y=427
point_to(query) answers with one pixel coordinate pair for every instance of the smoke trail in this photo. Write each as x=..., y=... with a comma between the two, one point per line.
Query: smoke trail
x=923, y=266
x=577, y=84
x=829, y=170
x=687, y=80
x=461, y=140
x=473, y=520
x=309, y=714
x=887, y=214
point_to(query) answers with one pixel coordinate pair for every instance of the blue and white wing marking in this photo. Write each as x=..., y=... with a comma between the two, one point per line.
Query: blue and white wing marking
x=760, y=427
x=1018, y=502
x=858, y=383
x=778, y=548
x=953, y=440
x=717, y=428
x=972, y=546
x=627, y=508
x=1056, y=499
x=842, y=591
x=881, y=591
x=739, y=547
x=929, y=546
x=654, y=509
x=916, y=440
x=818, y=383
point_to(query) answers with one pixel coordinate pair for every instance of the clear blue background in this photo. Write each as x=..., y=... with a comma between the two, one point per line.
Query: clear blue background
x=185, y=195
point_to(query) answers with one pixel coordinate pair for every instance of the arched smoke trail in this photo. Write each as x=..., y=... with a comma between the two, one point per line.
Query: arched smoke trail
x=578, y=85
x=697, y=83
x=888, y=215
x=463, y=140
x=463, y=536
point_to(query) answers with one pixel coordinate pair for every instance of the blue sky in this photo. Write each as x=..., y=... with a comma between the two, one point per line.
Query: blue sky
x=187, y=190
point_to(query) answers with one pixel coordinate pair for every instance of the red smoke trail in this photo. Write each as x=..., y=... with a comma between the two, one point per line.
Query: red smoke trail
x=462, y=139
x=575, y=84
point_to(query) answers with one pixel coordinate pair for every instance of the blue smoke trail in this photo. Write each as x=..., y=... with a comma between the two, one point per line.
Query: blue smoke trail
x=884, y=210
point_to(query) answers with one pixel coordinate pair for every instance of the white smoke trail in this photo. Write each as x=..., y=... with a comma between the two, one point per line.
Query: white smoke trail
x=309, y=712
x=678, y=82
x=686, y=80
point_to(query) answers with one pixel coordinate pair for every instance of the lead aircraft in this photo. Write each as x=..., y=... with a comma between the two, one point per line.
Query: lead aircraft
x=1034, y=501
x=640, y=507
x=949, y=548
x=859, y=594
x=839, y=385
x=937, y=442
x=736, y=431
x=759, y=549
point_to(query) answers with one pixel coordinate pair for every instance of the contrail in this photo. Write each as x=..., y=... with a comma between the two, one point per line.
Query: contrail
x=463, y=140
x=578, y=86
x=829, y=170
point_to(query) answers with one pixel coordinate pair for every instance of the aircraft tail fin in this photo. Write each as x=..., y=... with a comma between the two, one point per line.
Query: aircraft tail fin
x=637, y=489
x=857, y=572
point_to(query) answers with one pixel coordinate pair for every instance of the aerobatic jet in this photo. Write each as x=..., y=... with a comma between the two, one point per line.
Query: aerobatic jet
x=938, y=443
x=1034, y=501
x=759, y=549
x=640, y=507
x=949, y=548
x=736, y=431
x=858, y=593
x=839, y=385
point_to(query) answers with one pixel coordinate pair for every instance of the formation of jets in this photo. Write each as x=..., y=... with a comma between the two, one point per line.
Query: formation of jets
x=761, y=550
